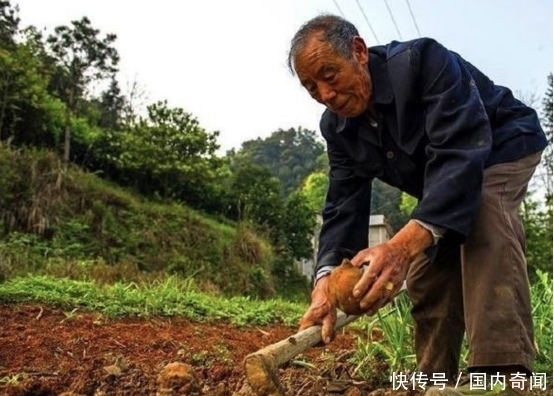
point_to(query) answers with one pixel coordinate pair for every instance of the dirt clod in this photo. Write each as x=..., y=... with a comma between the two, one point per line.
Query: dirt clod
x=81, y=357
x=352, y=391
x=178, y=378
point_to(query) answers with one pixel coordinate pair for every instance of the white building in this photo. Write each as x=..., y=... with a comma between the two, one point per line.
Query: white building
x=379, y=232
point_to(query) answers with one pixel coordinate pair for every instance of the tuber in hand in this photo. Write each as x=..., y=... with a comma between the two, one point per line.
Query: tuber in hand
x=341, y=284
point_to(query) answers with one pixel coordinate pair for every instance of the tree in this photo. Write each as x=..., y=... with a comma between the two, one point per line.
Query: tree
x=407, y=204
x=291, y=155
x=135, y=101
x=28, y=113
x=386, y=200
x=81, y=57
x=256, y=195
x=314, y=190
x=9, y=24
x=167, y=153
x=298, y=226
x=111, y=106
x=9, y=27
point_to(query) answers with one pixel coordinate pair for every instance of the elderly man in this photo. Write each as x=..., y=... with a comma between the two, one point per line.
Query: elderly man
x=421, y=118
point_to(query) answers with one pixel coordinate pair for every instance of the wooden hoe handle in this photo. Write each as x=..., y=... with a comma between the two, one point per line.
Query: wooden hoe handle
x=262, y=366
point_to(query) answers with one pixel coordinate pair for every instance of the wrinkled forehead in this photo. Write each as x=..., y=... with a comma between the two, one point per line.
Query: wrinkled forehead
x=315, y=50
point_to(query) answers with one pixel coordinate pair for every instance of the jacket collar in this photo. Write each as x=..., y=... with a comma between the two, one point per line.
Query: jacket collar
x=382, y=92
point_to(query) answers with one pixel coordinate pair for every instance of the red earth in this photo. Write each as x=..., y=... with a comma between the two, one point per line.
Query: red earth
x=47, y=351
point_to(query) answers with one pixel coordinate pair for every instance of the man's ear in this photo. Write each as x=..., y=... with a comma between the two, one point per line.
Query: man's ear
x=359, y=50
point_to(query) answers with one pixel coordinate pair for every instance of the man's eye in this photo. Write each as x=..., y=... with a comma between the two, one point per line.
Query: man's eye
x=329, y=77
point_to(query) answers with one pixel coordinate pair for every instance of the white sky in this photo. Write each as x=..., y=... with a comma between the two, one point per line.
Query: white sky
x=225, y=61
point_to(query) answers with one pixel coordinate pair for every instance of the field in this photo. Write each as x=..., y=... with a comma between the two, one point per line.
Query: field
x=62, y=337
x=47, y=351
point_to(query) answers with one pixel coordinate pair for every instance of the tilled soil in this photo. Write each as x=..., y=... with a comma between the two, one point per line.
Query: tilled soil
x=47, y=351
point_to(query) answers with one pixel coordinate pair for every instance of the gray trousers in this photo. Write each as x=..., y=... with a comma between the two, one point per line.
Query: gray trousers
x=481, y=287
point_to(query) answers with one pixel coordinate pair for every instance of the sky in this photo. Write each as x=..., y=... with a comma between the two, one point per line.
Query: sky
x=224, y=61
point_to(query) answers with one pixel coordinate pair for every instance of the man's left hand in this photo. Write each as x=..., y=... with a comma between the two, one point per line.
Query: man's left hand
x=384, y=276
x=388, y=265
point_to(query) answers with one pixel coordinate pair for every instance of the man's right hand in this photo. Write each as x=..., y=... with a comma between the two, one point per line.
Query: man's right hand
x=322, y=311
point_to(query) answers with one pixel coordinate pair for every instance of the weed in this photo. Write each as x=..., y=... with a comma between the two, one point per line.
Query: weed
x=303, y=363
x=223, y=354
x=541, y=301
x=167, y=297
x=200, y=358
x=11, y=380
x=70, y=315
x=388, y=338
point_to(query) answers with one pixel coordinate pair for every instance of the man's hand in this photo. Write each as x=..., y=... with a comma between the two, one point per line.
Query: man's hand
x=321, y=311
x=388, y=265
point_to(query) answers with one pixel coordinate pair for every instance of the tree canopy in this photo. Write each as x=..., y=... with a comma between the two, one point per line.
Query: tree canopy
x=291, y=155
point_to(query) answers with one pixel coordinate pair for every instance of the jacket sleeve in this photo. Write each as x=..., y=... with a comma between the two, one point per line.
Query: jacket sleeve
x=460, y=139
x=345, y=227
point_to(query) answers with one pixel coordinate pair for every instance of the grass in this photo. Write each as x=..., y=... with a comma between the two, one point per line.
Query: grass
x=167, y=297
x=51, y=215
x=385, y=345
x=541, y=301
x=388, y=336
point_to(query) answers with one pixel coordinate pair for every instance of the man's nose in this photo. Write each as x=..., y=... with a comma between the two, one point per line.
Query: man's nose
x=326, y=92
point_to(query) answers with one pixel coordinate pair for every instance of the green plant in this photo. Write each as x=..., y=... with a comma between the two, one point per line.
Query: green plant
x=169, y=296
x=70, y=315
x=541, y=301
x=66, y=222
x=200, y=358
x=389, y=338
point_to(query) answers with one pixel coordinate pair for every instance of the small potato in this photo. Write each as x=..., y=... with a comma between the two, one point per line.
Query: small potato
x=341, y=284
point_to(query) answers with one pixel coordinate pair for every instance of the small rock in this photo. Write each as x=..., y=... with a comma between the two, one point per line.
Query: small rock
x=353, y=391
x=245, y=390
x=114, y=370
x=117, y=368
x=337, y=386
x=178, y=378
x=70, y=394
x=220, y=390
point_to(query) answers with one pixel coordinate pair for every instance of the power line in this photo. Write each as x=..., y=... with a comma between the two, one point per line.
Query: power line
x=367, y=20
x=337, y=4
x=393, y=20
x=413, y=17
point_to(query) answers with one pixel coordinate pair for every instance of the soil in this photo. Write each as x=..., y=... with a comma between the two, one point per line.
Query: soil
x=47, y=351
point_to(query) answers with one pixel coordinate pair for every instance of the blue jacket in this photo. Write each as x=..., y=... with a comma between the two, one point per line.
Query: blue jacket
x=440, y=122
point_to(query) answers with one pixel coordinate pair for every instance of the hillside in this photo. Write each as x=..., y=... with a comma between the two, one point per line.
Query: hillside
x=67, y=222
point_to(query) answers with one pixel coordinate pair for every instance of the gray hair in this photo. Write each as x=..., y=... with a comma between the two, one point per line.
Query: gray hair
x=334, y=30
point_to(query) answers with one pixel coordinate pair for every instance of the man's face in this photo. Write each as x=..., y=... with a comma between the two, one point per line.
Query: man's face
x=342, y=85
